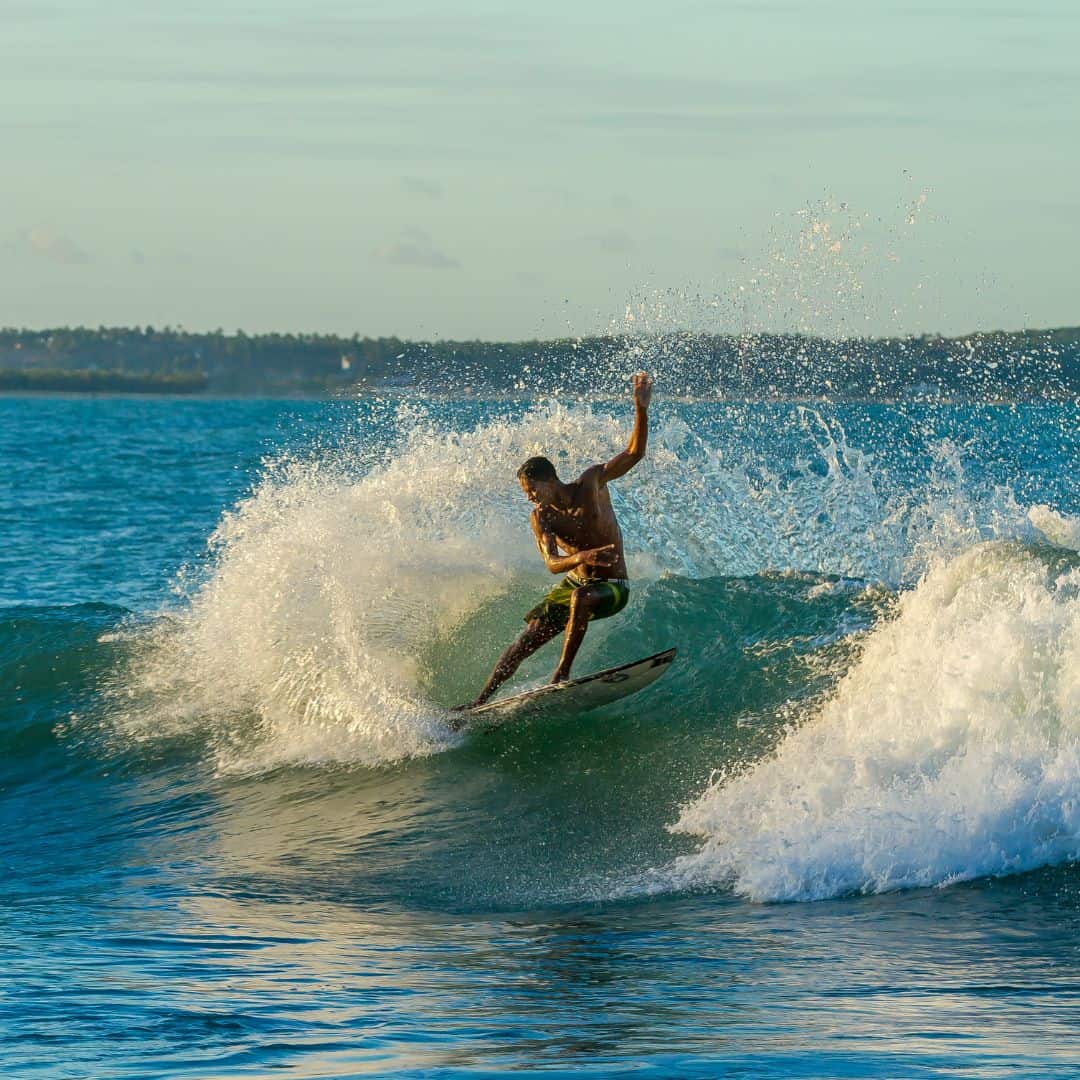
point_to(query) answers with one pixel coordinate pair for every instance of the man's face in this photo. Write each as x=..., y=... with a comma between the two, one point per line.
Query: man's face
x=537, y=491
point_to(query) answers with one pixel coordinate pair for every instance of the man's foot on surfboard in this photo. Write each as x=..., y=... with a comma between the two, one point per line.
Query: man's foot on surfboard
x=466, y=706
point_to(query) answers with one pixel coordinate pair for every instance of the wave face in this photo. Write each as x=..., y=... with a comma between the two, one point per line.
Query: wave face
x=951, y=749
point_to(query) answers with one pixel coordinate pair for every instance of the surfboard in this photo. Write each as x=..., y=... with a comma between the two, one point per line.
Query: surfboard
x=574, y=695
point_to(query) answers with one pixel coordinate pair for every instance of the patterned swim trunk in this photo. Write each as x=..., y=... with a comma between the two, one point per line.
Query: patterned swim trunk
x=555, y=607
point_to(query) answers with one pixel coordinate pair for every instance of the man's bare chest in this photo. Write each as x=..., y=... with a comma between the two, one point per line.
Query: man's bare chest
x=575, y=525
x=565, y=522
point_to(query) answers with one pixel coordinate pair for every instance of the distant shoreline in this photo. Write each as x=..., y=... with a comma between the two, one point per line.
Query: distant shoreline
x=1027, y=365
x=211, y=397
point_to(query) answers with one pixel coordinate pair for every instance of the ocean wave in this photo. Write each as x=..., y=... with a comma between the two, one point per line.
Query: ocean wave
x=51, y=660
x=950, y=750
x=349, y=602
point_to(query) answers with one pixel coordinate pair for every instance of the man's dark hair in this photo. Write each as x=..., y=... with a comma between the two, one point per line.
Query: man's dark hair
x=537, y=468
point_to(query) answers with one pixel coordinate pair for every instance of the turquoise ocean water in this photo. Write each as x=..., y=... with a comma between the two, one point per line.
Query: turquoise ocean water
x=838, y=839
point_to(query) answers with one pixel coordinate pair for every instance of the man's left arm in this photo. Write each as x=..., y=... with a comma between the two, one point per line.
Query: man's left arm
x=622, y=463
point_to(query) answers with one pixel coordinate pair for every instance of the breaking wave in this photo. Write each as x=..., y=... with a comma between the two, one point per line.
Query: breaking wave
x=951, y=750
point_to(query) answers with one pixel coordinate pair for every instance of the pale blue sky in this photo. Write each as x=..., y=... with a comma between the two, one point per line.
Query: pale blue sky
x=512, y=170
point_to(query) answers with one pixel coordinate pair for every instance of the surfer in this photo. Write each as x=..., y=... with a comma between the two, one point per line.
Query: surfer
x=579, y=520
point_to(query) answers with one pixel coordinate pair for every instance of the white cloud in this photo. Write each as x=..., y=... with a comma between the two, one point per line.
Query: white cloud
x=45, y=242
x=418, y=185
x=414, y=247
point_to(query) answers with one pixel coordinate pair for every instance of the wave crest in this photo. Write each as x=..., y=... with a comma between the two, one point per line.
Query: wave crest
x=357, y=593
x=951, y=750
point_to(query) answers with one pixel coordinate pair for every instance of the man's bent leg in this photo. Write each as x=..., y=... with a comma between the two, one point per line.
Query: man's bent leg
x=582, y=604
x=539, y=632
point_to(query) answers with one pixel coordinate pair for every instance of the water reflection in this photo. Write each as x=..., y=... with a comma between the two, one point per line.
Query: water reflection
x=276, y=943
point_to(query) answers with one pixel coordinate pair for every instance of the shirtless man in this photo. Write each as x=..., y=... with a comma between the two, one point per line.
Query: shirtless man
x=578, y=519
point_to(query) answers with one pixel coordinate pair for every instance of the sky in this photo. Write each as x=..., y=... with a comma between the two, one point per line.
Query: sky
x=509, y=170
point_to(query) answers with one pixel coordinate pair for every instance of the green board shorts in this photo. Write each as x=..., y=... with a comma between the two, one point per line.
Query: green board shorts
x=555, y=607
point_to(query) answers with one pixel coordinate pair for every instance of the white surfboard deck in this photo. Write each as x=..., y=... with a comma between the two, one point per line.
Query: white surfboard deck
x=574, y=695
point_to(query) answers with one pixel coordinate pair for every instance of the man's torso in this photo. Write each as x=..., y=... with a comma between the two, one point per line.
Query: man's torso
x=589, y=522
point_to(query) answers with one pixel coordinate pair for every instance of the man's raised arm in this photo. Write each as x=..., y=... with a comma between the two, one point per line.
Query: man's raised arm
x=622, y=463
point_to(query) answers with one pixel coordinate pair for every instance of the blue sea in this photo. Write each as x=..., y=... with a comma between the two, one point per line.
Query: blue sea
x=839, y=838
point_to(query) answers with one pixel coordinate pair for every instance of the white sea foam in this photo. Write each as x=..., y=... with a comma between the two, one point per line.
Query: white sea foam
x=951, y=750
x=328, y=583
x=1058, y=528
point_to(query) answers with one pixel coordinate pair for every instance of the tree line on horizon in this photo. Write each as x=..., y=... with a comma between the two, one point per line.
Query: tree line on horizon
x=1000, y=365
